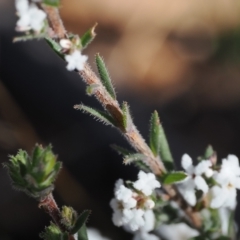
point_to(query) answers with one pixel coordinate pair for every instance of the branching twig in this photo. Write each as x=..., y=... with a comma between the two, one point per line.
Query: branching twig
x=50, y=207
x=131, y=134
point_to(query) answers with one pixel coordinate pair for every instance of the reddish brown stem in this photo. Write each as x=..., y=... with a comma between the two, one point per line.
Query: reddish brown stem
x=50, y=207
x=131, y=134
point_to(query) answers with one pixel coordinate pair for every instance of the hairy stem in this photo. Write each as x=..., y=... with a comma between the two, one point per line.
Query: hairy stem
x=131, y=134
x=50, y=207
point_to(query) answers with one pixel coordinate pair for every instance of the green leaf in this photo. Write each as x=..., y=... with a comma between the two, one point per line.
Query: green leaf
x=165, y=152
x=88, y=37
x=82, y=233
x=174, y=177
x=81, y=221
x=53, y=232
x=127, y=119
x=91, y=89
x=99, y=115
x=133, y=157
x=28, y=37
x=155, y=133
x=104, y=76
x=121, y=150
x=53, y=3
x=55, y=46
x=209, y=152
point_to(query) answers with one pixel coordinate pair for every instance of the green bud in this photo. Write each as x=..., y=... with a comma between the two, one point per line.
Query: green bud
x=69, y=216
x=34, y=174
x=53, y=232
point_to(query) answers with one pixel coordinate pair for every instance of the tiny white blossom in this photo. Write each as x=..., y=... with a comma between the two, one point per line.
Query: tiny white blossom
x=146, y=183
x=30, y=16
x=65, y=43
x=228, y=179
x=94, y=234
x=75, y=60
x=145, y=236
x=194, y=179
x=133, y=218
x=149, y=204
x=117, y=216
x=180, y=231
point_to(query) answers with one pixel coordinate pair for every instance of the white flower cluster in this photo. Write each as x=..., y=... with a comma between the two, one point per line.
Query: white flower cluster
x=30, y=16
x=227, y=180
x=133, y=207
x=195, y=178
x=75, y=59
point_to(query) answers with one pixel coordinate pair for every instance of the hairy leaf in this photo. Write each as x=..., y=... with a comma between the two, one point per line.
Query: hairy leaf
x=133, y=157
x=88, y=37
x=104, y=76
x=53, y=3
x=155, y=133
x=81, y=221
x=99, y=115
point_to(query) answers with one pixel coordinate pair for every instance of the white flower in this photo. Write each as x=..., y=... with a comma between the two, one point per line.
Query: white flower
x=228, y=179
x=146, y=183
x=94, y=234
x=194, y=179
x=30, y=16
x=179, y=231
x=149, y=204
x=65, y=43
x=117, y=217
x=149, y=219
x=144, y=236
x=125, y=195
x=75, y=60
x=133, y=218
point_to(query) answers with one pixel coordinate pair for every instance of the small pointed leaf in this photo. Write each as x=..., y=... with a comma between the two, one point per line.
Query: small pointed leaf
x=121, y=150
x=28, y=37
x=174, y=177
x=104, y=76
x=88, y=37
x=133, y=157
x=127, y=119
x=81, y=221
x=55, y=46
x=82, y=233
x=155, y=133
x=208, y=152
x=165, y=152
x=53, y=3
x=99, y=115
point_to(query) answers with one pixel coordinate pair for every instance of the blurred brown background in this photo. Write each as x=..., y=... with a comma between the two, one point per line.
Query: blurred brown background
x=181, y=58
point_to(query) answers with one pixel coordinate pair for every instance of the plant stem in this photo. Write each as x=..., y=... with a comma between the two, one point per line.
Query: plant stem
x=131, y=134
x=49, y=205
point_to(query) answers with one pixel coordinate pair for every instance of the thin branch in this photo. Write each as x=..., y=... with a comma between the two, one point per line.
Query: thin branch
x=50, y=207
x=132, y=135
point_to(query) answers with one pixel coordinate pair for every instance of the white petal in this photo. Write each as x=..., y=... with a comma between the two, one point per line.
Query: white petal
x=233, y=160
x=219, y=196
x=202, y=167
x=144, y=236
x=94, y=234
x=179, y=231
x=201, y=184
x=149, y=218
x=186, y=162
x=21, y=6
x=147, y=183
